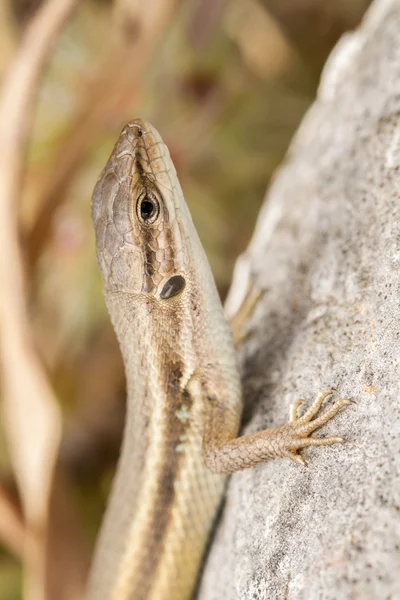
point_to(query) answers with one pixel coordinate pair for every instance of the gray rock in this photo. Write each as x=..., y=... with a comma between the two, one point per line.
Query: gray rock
x=326, y=251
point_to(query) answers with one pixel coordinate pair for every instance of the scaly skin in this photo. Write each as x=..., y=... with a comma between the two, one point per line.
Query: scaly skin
x=184, y=395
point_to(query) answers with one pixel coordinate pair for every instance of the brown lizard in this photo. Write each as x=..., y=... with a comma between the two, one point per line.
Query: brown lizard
x=184, y=395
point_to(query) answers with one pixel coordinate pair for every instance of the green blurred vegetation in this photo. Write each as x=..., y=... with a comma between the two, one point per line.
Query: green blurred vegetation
x=226, y=84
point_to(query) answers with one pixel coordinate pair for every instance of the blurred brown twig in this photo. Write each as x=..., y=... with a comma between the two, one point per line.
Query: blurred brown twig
x=12, y=527
x=31, y=413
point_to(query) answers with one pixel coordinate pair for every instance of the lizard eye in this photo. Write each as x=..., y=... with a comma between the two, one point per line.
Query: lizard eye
x=148, y=208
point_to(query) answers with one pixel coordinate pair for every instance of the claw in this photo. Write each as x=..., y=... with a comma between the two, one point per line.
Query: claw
x=293, y=410
x=299, y=459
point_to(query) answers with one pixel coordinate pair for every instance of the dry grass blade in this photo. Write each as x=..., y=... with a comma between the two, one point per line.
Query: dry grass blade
x=31, y=414
x=7, y=38
x=12, y=528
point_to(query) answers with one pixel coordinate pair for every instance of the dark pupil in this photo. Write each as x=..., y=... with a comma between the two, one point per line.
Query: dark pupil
x=146, y=209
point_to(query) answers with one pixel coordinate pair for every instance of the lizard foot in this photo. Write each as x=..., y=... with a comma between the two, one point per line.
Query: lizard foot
x=286, y=441
x=296, y=432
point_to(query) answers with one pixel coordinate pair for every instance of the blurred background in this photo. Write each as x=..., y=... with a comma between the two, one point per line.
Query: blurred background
x=226, y=82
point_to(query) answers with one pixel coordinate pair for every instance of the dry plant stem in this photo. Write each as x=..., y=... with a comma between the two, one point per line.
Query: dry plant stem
x=113, y=93
x=7, y=35
x=31, y=414
x=12, y=528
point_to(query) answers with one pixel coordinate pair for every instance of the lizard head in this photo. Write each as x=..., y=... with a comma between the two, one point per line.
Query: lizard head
x=137, y=209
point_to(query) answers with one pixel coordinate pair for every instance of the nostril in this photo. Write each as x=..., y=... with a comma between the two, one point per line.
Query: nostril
x=135, y=129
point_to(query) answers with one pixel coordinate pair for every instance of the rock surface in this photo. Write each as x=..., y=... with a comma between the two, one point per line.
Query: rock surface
x=326, y=252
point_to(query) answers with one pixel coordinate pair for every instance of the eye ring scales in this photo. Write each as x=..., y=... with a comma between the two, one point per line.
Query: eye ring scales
x=147, y=208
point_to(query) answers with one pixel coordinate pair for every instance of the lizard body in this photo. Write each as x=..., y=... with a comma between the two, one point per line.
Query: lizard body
x=184, y=396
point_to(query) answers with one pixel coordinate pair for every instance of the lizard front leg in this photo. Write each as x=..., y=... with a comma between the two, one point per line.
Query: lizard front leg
x=224, y=455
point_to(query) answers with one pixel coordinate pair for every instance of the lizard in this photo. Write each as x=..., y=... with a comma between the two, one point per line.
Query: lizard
x=184, y=399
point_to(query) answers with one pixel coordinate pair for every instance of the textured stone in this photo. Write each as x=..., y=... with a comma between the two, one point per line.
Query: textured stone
x=326, y=252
